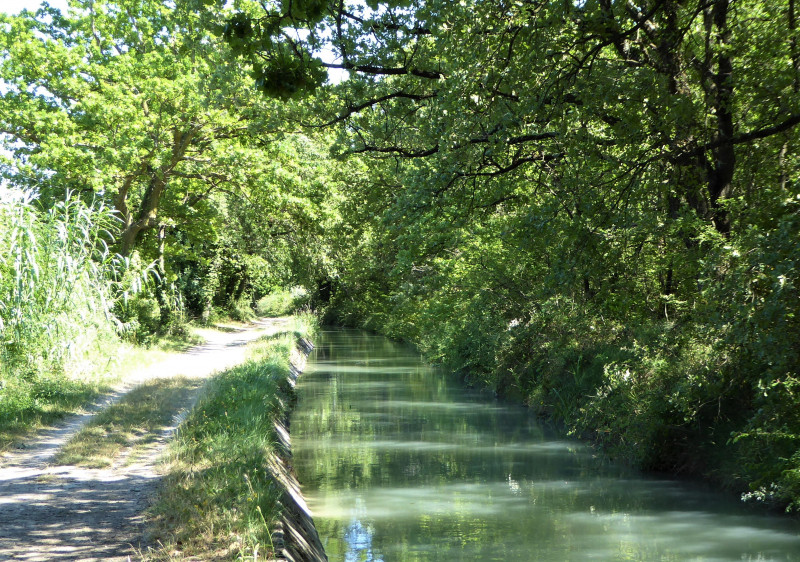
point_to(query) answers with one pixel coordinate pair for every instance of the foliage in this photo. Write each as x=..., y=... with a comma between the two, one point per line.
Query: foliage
x=131, y=103
x=282, y=302
x=589, y=206
x=56, y=301
x=755, y=329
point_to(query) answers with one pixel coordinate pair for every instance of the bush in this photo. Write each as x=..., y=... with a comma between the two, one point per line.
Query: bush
x=282, y=302
x=241, y=309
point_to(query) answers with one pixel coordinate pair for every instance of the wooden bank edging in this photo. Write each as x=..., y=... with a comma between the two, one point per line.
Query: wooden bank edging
x=295, y=537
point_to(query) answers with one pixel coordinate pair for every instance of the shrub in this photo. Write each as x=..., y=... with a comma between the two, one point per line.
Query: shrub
x=281, y=302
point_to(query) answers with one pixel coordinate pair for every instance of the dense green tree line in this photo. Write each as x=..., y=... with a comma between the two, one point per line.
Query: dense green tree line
x=149, y=184
x=590, y=206
x=132, y=102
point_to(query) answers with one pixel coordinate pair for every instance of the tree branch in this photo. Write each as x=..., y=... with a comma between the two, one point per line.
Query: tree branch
x=386, y=71
x=409, y=153
x=685, y=157
x=383, y=26
x=353, y=109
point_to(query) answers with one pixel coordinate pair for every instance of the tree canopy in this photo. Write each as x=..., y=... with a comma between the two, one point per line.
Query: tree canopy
x=134, y=102
x=590, y=206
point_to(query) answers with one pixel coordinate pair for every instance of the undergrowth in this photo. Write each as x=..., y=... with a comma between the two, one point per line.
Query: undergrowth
x=281, y=302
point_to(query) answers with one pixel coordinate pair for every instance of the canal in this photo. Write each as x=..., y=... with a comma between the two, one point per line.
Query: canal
x=400, y=463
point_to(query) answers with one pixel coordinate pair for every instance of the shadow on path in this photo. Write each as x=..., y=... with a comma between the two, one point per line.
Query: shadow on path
x=71, y=514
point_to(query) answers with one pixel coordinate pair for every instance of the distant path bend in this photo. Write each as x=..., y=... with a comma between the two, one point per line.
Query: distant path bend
x=69, y=513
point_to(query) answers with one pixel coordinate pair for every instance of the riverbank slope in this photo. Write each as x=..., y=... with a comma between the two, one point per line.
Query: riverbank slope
x=229, y=490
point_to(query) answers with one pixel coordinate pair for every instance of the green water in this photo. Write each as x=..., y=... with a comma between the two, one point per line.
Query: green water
x=399, y=463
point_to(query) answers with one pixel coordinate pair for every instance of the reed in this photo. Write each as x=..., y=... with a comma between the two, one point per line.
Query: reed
x=56, y=273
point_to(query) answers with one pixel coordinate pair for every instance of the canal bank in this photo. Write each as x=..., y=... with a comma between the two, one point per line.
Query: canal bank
x=294, y=538
x=229, y=491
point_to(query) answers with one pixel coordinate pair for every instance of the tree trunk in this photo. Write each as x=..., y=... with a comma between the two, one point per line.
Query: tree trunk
x=162, y=290
x=722, y=168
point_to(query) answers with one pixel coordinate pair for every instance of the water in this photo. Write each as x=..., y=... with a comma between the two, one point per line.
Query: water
x=399, y=463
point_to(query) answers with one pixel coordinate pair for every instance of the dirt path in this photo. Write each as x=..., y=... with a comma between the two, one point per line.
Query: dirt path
x=68, y=513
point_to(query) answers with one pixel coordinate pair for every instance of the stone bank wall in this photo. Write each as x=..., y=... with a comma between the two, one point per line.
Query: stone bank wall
x=295, y=538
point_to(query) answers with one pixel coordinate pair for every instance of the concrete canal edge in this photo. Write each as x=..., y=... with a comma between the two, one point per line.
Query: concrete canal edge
x=295, y=537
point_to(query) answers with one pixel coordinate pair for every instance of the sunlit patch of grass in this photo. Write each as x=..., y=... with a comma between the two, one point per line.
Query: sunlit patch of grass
x=218, y=500
x=132, y=358
x=135, y=422
x=29, y=404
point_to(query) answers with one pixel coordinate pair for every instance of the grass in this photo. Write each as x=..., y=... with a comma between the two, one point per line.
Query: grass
x=218, y=500
x=130, y=425
x=30, y=403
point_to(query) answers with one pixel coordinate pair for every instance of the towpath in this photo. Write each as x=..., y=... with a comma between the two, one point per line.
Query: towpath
x=50, y=512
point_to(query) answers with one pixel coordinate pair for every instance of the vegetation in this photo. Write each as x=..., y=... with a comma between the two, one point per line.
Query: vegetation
x=128, y=426
x=593, y=207
x=54, y=309
x=60, y=290
x=218, y=498
x=133, y=104
x=149, y=185
x=282, y=302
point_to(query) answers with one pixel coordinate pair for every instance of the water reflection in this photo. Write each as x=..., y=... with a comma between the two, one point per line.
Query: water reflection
x=359, y=538
x=399, y=464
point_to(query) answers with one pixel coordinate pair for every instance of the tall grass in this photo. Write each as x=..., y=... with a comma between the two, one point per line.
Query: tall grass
x=55, y=304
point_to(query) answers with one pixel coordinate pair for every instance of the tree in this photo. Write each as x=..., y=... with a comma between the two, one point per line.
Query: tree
x=123, y=98
x=661, y=88
x=566, y=199
x=131, y=101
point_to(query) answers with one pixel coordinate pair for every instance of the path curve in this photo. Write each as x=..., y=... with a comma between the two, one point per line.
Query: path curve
x=68, y=513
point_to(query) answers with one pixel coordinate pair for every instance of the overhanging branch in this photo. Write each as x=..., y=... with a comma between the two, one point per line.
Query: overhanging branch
x=685, y=157
x=386, y=71
x=421, y=153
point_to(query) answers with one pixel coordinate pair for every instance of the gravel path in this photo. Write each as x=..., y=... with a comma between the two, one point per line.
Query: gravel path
x=52, y=512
